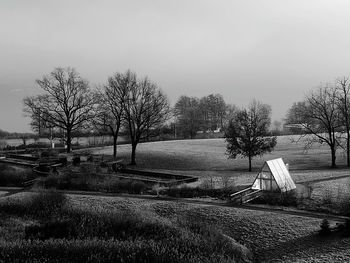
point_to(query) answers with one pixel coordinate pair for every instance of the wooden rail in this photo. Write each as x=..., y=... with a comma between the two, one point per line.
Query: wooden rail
x=245, y=195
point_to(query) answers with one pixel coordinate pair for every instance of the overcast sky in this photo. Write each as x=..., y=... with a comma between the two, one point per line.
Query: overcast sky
x=273, y=51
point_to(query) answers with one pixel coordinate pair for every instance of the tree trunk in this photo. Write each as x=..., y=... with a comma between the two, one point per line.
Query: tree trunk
x=115, y=137
x=69, y=141
x=333, y=152
x=250, y=163
x=348, y=149
x=133, y=154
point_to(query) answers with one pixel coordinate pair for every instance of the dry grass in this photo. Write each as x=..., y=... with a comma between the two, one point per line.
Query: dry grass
x=271, y=237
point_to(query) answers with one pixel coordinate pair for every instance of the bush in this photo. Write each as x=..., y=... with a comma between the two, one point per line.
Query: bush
x=76, y=160
x=63, y=160
x=284, y=199
x=325, y=228
x=49, y=154
x=128, y=186
x=69, y=180
x=344, y=228
x=137, y=187
x=192, y=192
x=10, y=176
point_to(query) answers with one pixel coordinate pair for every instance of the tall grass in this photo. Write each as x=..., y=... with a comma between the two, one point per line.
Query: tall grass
x=61, y=233
x=89, y=180
x=41, y=206
x=133, y=251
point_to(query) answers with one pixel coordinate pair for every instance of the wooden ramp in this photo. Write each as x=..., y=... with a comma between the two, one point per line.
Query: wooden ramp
x=245, y=195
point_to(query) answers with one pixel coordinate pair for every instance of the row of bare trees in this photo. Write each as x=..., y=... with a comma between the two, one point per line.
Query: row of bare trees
x=70, y=104
x=324, y=117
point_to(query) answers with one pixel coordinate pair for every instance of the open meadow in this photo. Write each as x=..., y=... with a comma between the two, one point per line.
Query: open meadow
x=210, y=155
x=208, y=158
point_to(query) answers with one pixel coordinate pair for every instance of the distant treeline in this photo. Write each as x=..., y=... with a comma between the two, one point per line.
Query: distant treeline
x=15, y=135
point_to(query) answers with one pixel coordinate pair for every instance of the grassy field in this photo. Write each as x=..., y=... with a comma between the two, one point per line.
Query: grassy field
x=210, y=155
x=270, y=237
x=206, y=158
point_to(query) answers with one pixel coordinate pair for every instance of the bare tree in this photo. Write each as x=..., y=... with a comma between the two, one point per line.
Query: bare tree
x=343, y=100
x=318, y=115
x=247, y=132
x=38, y=123
x=67, y=102
x=146, y=108
x=110, y=109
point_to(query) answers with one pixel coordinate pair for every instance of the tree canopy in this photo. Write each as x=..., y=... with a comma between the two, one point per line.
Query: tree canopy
x=247, y=134
x=67, y=102
x=205, y=114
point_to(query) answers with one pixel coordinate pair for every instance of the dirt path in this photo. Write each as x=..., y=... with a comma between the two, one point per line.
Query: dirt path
x=323, y=179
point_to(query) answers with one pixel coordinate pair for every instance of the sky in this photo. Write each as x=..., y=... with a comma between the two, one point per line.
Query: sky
x=271, y=50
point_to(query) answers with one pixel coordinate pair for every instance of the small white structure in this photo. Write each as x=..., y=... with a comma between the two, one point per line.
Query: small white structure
x=274, y=176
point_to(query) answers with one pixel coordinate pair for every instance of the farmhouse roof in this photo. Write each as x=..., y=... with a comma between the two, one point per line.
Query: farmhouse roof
x=273, y=176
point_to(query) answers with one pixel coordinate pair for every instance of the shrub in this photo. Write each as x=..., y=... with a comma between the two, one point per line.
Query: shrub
x=327, y=197
x=207, y=183
x=76, y=160
x=325, y=228
x=284, y=199
x=70, y=180
x=192, y=192
x=347, y=228
x=344, y=228
x=49, y=154
x=137, y=187
x=127, y=186
x=10, y=176
x=63, y=160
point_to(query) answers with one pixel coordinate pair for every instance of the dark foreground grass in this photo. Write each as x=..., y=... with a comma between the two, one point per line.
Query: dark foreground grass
x=271, y=237
x=62, y=233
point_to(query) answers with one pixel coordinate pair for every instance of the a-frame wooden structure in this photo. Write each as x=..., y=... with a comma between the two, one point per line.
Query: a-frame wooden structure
x=274, y=177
